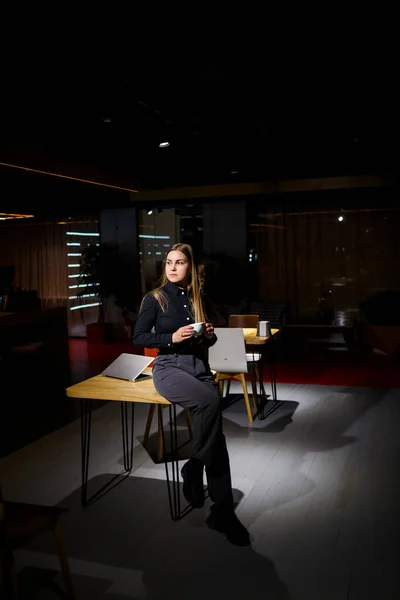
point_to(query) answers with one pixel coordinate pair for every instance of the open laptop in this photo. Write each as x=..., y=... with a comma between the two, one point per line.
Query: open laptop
x=129, y=367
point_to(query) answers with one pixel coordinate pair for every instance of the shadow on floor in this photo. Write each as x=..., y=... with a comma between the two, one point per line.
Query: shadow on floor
x=126, y=546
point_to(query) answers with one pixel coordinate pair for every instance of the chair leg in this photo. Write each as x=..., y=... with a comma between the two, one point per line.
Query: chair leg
x=242, y=379
x=63, y=558
x=220, y=383
x=148, y=424
x=189, y=423
x=160, y=451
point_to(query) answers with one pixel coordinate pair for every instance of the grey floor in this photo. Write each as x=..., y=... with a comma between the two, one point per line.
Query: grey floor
x=317, y=485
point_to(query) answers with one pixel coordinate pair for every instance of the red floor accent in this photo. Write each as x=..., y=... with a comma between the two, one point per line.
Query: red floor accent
x=325, y=368
x=343, y=369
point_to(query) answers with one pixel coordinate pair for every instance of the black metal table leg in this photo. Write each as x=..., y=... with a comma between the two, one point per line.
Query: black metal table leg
x=127, y=445
x=173, y=485
x=127, y=435
x=272, y=373
x=267, y=406
x=86, y=424
x=261, y=396
x=273, y=404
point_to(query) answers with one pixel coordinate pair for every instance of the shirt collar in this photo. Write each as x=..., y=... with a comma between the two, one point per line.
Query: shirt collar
x=173, y=289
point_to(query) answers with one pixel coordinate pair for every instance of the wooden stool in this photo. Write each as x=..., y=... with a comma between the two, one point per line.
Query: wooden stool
x=19, y=524
x=152, y=408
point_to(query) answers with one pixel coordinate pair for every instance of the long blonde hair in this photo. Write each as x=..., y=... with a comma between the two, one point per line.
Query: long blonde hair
x=193, y=291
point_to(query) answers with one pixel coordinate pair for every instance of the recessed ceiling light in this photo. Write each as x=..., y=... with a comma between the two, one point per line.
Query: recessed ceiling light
x=163, y=144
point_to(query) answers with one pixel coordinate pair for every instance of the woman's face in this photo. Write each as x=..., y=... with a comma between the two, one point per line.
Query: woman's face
x=177, y=268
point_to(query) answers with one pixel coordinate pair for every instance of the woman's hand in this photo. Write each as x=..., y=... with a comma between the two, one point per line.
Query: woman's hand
x=208, y=331
x=182, y=334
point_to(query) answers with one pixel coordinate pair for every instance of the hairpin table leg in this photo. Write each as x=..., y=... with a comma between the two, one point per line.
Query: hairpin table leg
x=172, y=465
x=127, y=447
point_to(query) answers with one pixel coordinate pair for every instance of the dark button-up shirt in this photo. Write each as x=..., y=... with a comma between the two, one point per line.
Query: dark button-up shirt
x=154, y=327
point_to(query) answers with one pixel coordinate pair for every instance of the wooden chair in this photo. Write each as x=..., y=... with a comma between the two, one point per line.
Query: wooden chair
x=243, y=320
x=253, y=356
x=228, y=338
x=19, y=524
x=160, y=407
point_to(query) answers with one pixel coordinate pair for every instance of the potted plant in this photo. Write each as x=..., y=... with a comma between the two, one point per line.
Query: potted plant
x=112, y=275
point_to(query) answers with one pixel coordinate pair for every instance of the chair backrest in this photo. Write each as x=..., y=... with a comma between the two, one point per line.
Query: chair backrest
x=243, y=320
x=228, y=355
x=277, y=312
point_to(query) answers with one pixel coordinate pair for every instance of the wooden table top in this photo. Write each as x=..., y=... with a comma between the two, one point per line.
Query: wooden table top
x=101, y=387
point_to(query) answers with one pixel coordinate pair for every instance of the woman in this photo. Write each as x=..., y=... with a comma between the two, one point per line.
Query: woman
x=182, y=375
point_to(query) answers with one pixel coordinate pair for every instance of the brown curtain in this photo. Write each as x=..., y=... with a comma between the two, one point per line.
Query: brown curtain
x=38, y=253
x=302, y=252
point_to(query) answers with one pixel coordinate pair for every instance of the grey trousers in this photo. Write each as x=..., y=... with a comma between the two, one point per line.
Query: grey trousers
x=186, y=380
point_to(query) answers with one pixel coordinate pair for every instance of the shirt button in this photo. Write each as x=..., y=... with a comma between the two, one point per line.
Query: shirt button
x=187, y=318
x=184, y=306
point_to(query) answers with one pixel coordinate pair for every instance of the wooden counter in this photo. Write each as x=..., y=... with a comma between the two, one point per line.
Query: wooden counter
x=34, y=370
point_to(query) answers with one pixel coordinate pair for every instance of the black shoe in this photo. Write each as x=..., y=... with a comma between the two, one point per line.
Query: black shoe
x=193, y=487
x=224, y=520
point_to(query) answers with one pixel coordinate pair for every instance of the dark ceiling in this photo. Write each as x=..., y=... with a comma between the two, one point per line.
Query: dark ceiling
x=228, y=117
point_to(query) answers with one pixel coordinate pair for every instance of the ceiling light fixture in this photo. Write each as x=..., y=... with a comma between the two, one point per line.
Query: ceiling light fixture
x=163, y=144
x=115, y=187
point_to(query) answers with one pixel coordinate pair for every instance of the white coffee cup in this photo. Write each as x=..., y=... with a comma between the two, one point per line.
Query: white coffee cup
x=197, y=328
